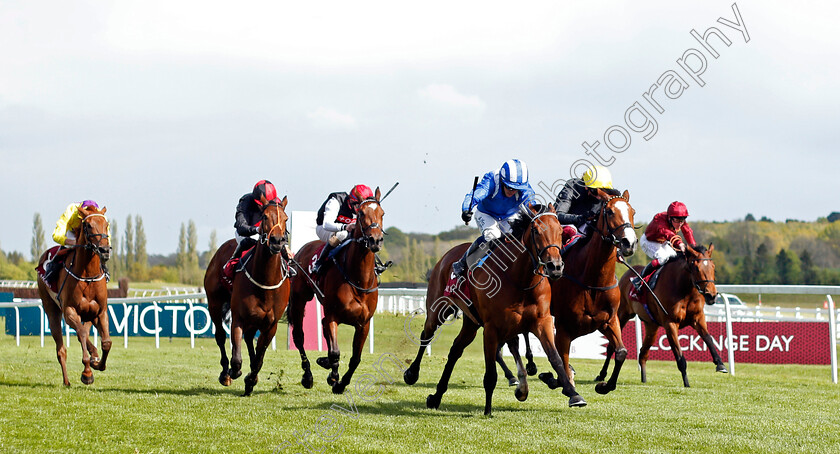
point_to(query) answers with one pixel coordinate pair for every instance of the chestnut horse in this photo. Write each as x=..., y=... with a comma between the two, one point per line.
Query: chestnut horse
x=515, y=298
x=685, y=283
x=348, y=290
x=259, y=298
x=587, y=298
x=82, y=298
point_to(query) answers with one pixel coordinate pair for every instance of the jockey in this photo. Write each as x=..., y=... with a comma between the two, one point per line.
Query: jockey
x=496, y=199
x=248, y=217
x=66, y=234
x=660, y=240
x=337, y=218
x=576, y=203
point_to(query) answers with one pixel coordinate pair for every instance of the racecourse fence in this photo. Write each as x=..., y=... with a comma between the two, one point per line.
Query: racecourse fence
x=182, y=312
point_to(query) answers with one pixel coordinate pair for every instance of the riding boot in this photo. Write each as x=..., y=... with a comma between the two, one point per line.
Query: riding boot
x=52, y=267
x=649, y=268
x=322, y=258
x=459, y=268
x=233, y=260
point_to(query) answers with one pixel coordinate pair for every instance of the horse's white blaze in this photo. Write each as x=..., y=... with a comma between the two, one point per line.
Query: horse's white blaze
x=624, y=208
x=705, y=263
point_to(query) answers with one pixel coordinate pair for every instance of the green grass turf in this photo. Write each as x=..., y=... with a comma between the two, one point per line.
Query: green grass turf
x=168, y=400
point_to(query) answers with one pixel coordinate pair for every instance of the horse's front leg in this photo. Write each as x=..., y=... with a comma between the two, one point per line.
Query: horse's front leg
x=331, y=361
x=54, y=316
x=82, y=332
x=700, y=327
x=545, y=333
x=235, y=346
x=491, y=349
x=531, y=367
x=105, y=333
x=359, y=339
x=613, y=334
x=257, y=358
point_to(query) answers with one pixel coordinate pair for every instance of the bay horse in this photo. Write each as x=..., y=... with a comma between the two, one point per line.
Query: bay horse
x=348, y=290
x=514, y=299
x=587, y=298
x=82, y=298
x=259, y=297
x=684, y=284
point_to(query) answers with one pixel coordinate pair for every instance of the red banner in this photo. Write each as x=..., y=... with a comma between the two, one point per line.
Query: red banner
x=751, y=342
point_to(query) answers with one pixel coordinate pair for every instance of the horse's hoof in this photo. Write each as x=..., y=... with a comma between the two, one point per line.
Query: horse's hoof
x=512, y=381
x=548, y=379
x=248, y=391
x=433, y=402
x=577, y=401
x=410, y=377
x=234, y=374
x=603, y=388
x=95, y=364
x=338, y=388
x=323, y=362
x=88, y=380
x=488, y=412
x=251, y=381
x=722, y=369
x=307, y=381
x=332, y=379
x=531, y=369
x=224, y=379
x=521, y=395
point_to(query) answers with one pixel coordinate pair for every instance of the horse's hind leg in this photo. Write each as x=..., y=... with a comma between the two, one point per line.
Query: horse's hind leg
x=257, y=356
x=613, y=333
x=359, y=339
x=512, y=381
x=531, y=368
x=671, y=330
x=431, y=325
x=491, y=349
x=105, y=333
x=521, y=392
x=605, y=368
x=647, y=342
x=295, y=311
x=464, y=338
x=54, y=316
x=235, y=347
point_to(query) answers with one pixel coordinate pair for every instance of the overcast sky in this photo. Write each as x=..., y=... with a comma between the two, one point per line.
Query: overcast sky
x=173, y=110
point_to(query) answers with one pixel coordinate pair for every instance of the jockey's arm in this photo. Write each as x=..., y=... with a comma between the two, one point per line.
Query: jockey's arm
x=330, y=217
x=63, y=224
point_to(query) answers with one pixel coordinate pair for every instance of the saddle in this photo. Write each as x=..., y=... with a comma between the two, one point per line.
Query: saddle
x=330, y=257
x=651, y=280
x=234, y=266
x=41, y=269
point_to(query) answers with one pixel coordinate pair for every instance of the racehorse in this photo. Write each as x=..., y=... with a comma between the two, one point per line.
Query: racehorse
x=515, y=298
x=259, y=297
x=587, y=298
x=82, y=298
x=348, y=290
x=684, y=284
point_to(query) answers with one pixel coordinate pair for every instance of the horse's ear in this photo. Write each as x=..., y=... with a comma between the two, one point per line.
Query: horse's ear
x=378, y=193
x=284, y=202
x=626, y=195
x=711, y=248
x=104, y=209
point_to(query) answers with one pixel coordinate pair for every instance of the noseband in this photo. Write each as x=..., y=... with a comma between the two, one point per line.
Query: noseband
x=536, y=260
x=92, y=239
x=697, y=282
x=367, y=239
x=609, y=235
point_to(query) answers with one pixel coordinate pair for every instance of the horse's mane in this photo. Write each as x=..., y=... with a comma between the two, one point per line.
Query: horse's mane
x=699, y=248
x=612, y=192
x=521, y=223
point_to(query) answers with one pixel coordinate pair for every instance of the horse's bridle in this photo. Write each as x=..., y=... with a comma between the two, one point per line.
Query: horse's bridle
x=703, y=290
x=366, y=239
x=609, y=235
x=265, y=237
x=93, y=239
x=537, y=260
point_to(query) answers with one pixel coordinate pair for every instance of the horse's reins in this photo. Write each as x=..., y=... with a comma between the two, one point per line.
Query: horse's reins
x=366, y=240
x=611, y=239
x=697, y=283
x=93, y=248
x=265, y=238
x=620, y=259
